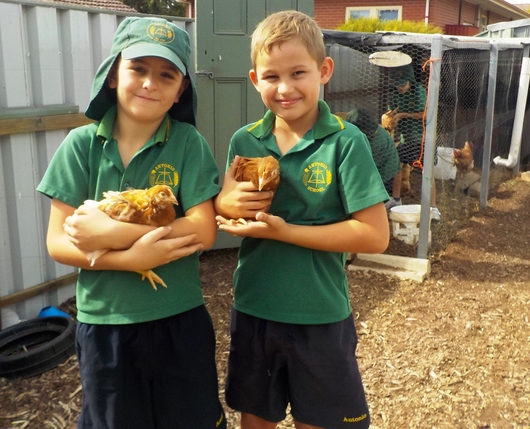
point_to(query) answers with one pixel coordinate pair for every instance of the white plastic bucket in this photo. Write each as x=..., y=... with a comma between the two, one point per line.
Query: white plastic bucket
x=405, y=223
x=445, y=168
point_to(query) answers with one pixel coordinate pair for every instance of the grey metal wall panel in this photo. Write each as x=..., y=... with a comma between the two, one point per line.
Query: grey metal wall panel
x=49, y=54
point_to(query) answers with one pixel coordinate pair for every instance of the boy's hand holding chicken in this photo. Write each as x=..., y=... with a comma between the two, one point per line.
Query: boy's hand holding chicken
x=241, y=198
x=265, y=226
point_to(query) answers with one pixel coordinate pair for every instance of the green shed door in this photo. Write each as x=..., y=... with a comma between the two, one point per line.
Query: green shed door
x=227, y=99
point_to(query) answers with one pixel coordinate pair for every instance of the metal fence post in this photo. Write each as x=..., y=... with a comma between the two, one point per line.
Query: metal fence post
x=431, y=117
x=488, y=131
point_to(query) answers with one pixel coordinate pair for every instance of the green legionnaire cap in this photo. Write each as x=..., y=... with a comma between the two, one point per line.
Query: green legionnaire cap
x=401, y=75
x=361, y=118
x=146, y=37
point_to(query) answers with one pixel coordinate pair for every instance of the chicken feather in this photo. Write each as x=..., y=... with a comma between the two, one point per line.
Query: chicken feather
x=153, y=206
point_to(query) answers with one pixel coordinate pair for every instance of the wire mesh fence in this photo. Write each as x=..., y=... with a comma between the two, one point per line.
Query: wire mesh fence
x=449, y=112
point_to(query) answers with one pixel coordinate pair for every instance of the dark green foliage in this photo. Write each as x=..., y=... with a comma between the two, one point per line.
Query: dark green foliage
x=158, y=7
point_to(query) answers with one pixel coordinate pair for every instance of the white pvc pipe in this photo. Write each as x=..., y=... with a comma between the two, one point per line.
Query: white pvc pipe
x=518, y=122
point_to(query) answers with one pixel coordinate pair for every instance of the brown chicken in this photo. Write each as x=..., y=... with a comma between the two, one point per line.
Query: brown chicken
x=153, y=206
x=264, y=173
x=464, y=161
x=387, y=121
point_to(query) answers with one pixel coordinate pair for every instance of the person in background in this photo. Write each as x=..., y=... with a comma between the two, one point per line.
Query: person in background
x=146, y=358
x=293, y=337
x=384, y=151
x=409, y=98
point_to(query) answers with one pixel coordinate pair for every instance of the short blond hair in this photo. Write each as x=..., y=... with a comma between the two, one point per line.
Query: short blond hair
x=284, y=26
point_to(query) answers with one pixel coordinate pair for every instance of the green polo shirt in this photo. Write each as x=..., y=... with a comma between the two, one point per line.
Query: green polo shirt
x=410, y=102
x=87, y=164
x=328, y=175
x=385, y=154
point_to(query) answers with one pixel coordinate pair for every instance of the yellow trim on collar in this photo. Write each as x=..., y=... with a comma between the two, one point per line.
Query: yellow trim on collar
x=257, y=124
x=339, y=120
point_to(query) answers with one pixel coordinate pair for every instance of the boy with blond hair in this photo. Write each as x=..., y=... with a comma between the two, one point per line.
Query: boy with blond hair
x=293, y=335
x=146, y=358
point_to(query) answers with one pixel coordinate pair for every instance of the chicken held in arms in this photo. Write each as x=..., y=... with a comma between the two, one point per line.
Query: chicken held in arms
x=263, y=172
x=153, y=206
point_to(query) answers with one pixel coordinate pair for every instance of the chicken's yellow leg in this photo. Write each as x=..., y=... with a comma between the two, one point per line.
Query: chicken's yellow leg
x=152, y=277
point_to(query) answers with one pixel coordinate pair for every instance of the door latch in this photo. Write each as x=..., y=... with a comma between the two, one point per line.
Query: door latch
x=205, y=73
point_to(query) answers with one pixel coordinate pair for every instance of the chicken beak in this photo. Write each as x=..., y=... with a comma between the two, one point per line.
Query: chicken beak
x=262, y=182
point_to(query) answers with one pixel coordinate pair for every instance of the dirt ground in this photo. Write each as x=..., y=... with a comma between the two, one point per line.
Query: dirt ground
x=450, y=352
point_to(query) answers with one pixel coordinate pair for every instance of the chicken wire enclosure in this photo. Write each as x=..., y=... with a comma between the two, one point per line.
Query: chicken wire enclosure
x=465, y=90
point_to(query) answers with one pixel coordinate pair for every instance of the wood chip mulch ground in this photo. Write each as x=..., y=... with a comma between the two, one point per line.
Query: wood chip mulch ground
x=452, y=352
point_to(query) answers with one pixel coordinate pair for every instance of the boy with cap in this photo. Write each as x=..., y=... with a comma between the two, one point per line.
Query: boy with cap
x=409, y=98
x=384, y=151
x=147, y=358
x=293, y=337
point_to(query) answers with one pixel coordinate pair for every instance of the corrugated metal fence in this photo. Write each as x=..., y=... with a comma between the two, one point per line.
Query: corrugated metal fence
x=49, y=54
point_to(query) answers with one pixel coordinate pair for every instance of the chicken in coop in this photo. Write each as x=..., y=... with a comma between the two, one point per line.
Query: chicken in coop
x=387, y=121
x=463, y=159
x=263, y=172
x=153, y=206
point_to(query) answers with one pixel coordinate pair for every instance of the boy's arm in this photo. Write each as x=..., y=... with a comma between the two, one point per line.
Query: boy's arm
x=198, y=220
x=195, y=231
x=60, y=246
x=152, y=249
x=366, y=232
x=90, y=229
x=413, y=115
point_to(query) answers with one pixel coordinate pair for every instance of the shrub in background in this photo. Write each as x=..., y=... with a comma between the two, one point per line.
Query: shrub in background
x=371, y=25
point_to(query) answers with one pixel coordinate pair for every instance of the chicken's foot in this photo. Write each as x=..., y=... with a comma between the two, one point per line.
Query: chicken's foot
x=152, y=277
x=240, y=221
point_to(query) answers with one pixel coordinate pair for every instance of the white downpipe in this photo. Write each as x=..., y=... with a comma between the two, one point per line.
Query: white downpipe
x=427, y=12
x=518, y=122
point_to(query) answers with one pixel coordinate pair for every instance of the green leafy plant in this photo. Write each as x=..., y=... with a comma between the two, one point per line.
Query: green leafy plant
x=372, y=25
x=158, y=7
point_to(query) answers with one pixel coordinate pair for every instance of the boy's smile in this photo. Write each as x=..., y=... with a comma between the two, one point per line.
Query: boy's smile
x=289, y=80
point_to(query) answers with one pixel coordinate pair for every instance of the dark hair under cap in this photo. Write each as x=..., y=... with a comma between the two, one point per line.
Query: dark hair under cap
x=362, y=119
x=401, y=75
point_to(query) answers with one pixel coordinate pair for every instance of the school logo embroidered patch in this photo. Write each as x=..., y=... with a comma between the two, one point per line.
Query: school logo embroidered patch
x=160, y=32
x=317, y=177
x=164, y=174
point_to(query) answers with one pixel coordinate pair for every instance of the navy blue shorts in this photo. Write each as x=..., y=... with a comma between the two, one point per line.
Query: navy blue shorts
x=158, y=374
x=312, y=367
